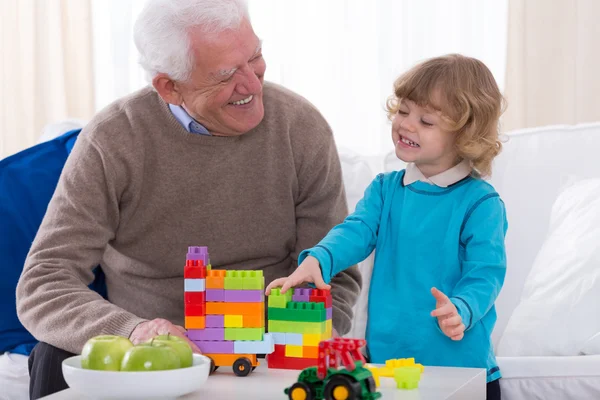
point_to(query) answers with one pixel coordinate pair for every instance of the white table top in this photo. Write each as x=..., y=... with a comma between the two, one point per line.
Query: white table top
x=437, y=383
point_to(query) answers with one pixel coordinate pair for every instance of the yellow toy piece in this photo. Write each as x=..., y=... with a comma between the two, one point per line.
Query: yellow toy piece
x=407, y=377
x=391, y=365
x=375, y=372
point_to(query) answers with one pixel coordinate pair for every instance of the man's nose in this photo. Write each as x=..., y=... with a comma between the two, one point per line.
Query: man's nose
x=250, y=83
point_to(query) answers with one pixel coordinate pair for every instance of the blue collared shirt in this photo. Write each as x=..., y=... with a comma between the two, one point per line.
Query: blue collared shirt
x=189, y=123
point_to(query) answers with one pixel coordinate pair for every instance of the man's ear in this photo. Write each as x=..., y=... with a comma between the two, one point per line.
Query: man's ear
x=166, y=88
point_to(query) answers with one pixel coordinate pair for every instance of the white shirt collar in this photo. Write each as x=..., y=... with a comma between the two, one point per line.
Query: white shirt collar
x=443, y=179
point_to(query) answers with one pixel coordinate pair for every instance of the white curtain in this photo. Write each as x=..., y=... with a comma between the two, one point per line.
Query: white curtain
x=45, y=68
x=342, y=55
x=553, y=70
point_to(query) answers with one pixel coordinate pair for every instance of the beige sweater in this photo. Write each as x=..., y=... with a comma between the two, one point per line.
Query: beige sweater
x=138, y=189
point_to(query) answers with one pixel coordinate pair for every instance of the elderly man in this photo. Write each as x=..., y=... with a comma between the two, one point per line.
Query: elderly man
x=210, y=155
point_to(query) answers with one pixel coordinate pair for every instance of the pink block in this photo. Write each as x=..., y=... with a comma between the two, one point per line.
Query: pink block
x=215, y=321
x=206, y=334
x=215, y=295
x=244, y=296
x=209, y=347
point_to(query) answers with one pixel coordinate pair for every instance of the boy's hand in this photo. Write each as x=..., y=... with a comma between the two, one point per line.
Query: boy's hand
x=447, y=314
x=308, y=271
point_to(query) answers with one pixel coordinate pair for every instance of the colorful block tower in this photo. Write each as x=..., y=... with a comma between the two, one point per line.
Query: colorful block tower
x=298, y=320
x=225, y=313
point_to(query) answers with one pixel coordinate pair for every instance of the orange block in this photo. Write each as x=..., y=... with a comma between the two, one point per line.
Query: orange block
x=254, y=321
x=252, y=309
x=227, y=360
x=310, y=352
x=215, y=279
x=195, y=322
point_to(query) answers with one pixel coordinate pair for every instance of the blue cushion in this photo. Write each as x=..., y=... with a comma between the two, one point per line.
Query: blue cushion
x=27, y=182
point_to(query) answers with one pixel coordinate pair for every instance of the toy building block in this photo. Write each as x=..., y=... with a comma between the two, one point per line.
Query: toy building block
x=407, y=377
x=243, y=296
x=278, y=300
x=254, y=334
x=297, y=327
x=313, y=339
x=194, y=269
x=195, y=310
x=293, y=351
x=194, y=285
x=254, y=321
x=375, y=372
x=194, y=297
x=215, y=321
x=328, y=328
x=234, y=280
x=254, y=280
x=390, y=365
x=301, y=294
x=301, y=312
x=278, y=337
x=321, y=296
x=198, y=253
x=310, y=351
x=278, y=360
x=215, y=295
x=265, y=346
x=233, y=321
x=215, y=279
x=255, y=309
x=195, y=322
x=293, y=339
x=329, y=313
x=215, y=334
x=218, y=347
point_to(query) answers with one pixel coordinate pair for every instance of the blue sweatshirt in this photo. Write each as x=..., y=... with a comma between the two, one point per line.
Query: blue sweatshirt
x=425, y=236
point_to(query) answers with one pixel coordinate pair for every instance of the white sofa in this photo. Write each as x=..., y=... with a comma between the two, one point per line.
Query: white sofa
x=529, y=174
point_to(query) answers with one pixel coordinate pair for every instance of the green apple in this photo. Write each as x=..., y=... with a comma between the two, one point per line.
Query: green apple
x=104, y=352
x=181, y=347
x=150, y=357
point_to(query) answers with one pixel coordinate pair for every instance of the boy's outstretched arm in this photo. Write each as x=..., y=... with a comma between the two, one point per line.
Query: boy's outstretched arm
x=345, y=245
x=483, y=259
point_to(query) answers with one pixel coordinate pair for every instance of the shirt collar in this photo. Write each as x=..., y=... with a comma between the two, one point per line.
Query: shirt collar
x=186, y=120
x=443, y=179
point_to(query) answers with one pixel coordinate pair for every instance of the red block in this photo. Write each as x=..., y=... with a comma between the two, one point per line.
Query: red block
x=194, y=269
x=194, y=297
x=321, y=296
x=195, y=310
x=278, y=360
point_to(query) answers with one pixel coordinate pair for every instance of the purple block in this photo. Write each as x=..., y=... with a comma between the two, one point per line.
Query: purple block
x=328, y=313
x=211, y=347
x=215, y=321
x=198, y=253
x=301, y=294
x=207, y=334
x=215, y=294
x=244, y=296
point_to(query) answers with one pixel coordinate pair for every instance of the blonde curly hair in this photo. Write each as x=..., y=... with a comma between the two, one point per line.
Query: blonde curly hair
x=464, y=91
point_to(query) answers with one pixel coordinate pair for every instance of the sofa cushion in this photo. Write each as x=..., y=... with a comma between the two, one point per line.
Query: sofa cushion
x=558, y=314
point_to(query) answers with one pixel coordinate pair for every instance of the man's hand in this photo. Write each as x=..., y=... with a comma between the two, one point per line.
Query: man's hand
x=447, y=314
x=149, y=329
x=308, y=271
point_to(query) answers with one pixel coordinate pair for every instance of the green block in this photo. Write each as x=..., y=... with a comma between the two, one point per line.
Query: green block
x=254, y=280
x=234, y=280
x=244, y=333
x=278, y=300
x=299, y=311
x=297, y=327
x=407, y=377
x=208, y=267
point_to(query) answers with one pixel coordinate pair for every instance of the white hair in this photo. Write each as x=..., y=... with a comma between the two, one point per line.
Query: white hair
x=161, y=31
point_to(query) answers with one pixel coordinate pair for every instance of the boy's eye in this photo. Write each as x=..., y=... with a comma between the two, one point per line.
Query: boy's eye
x=401, y=112
x=426, y=123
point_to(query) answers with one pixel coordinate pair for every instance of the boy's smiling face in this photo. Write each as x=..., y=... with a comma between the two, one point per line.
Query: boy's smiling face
x=419, y=136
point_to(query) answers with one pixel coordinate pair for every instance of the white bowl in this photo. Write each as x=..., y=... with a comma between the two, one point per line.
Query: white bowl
x=135, y=385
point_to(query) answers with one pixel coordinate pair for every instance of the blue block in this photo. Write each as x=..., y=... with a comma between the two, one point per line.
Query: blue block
x=265, y=346
x=194, y=285
x=294, y=339
x=278, y=337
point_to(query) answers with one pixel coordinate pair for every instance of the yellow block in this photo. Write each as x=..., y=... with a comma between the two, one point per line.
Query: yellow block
x=391, y=365
x=375, y=372
x=293, y=351
x=234, y=321
x=312, y=339
x=328, y=328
